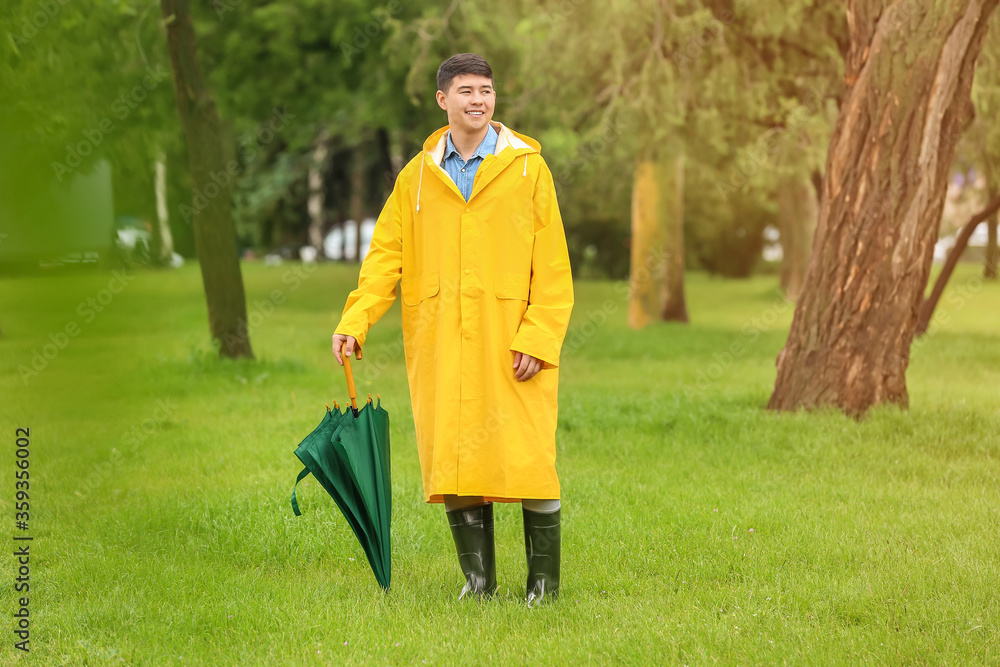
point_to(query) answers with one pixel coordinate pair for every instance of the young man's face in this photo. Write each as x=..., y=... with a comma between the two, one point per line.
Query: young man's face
x=469, y=102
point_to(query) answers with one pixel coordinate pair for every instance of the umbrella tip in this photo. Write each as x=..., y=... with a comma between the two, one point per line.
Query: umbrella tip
x=369, y=397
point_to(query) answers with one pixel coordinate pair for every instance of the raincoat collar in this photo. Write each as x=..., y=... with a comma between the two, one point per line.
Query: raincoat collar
x=486, y=147
x=510, y=145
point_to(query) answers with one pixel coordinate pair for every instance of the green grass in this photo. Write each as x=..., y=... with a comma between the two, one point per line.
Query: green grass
x=699, y=528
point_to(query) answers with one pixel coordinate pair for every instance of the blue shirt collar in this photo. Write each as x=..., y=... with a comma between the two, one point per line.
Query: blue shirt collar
x=486, y=147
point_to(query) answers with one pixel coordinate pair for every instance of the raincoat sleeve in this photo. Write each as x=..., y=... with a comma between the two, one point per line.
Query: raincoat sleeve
x=380, y=270
x=550, y=295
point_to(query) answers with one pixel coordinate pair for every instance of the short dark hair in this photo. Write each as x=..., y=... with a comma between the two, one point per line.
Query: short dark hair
x=462, y=63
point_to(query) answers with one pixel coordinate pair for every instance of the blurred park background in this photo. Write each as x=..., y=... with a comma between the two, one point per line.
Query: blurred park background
x=768, y=205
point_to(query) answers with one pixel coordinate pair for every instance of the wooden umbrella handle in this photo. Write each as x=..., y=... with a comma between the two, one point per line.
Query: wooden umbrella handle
x=351, y=391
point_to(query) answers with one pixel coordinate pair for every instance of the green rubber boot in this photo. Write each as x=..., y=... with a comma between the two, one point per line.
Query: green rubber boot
x=472, y=528
x=541, y=545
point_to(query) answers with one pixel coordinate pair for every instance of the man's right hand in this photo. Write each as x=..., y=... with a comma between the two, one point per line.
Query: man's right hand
x=352, y=346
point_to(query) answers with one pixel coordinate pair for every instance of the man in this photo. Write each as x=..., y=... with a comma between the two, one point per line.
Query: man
x=473, y=232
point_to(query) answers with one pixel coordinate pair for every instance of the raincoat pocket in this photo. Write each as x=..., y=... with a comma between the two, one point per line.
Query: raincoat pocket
x=418, y=288
x=512, y=286
x=511, y=290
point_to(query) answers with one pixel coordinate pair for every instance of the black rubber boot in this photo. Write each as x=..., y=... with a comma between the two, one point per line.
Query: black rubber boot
x=472, y=528
x=541, y=545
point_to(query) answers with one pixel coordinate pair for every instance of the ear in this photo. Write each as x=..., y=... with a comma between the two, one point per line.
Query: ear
x=441, y=100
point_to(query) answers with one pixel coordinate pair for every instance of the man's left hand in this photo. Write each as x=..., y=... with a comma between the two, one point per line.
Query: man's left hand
x=526, y=366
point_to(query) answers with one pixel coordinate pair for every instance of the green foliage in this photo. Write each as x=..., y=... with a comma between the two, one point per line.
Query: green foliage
x=748, y=90
x=723, y=237
x=84, y=82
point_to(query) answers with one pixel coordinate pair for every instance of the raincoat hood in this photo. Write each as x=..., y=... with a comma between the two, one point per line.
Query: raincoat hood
x=435, y=144
x=510, y=144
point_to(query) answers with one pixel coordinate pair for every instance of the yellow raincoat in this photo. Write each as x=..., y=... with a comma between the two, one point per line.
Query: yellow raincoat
x=480, y=280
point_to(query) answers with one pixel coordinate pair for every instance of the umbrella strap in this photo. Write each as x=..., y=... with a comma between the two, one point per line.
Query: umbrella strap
x=295, y=503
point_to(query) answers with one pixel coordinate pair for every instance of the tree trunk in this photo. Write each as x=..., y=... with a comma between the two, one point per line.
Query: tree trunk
x=961, y=242
x=797, y=211
x=165, y=243
x=646, y=246
x=671, y=186
x=211, y=213
x=317, y=199
x=990, y=258
x=990, y=268
x=386, y=160
x=357, y=197
x=397, y=155
x=344, y=225
x=908, y=74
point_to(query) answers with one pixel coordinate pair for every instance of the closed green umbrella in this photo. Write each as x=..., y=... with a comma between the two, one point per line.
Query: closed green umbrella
x=348, y=454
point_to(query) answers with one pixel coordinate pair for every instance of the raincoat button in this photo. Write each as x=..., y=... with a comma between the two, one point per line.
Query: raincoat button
x=466, y=210
x=467, y=272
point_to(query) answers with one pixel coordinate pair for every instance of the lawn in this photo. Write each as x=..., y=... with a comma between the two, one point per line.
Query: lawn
x=698, y=528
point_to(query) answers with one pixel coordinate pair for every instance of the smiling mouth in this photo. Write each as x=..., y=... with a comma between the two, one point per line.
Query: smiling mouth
x=474, y=113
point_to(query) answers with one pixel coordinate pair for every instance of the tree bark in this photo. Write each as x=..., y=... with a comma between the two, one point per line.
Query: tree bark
x=317, y=192
x=671, y=210
x=397, y=156
x=990, y=262
x=214, y=231
x=357, y=198
x=797, y=211
x=165, y=240
x=990, y=257
x=646, y=246
x=961, y=242
x=387, y=168
x=908, y=74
